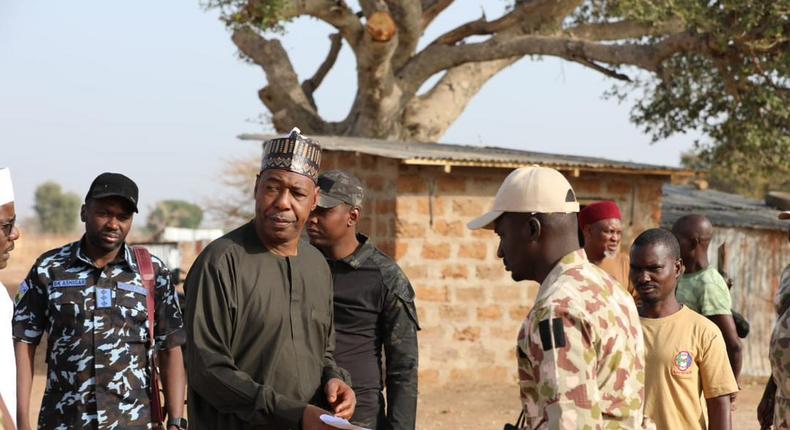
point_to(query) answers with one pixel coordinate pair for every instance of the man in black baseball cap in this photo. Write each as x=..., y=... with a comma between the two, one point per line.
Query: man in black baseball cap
x=99, y=373
x=373, y=308
x=113, y=185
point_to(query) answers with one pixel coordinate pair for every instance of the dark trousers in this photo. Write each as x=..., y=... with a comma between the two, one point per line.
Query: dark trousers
x=369, y=412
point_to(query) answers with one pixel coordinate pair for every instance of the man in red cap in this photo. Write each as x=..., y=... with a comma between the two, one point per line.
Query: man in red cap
x=602, y=227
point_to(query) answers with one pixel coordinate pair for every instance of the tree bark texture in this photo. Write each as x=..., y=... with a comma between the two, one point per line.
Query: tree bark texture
x=384, y=38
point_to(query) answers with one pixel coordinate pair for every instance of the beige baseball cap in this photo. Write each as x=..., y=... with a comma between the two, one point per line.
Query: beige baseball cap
x=784, y=215
x=532, y=189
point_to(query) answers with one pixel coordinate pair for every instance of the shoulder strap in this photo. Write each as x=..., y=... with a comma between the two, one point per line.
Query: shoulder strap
x=146, y=269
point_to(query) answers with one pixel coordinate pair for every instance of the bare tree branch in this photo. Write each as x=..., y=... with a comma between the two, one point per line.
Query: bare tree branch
x=376, y=104
x=529, y=16
x=283, y=95
x=482, y=26
x=369, y=7
x=431, y=9
x=408, y=16
x=625, y=29
x=334, y=12
x=647, y=56
x=427, y=117
x=599, y=68
x=310, y=85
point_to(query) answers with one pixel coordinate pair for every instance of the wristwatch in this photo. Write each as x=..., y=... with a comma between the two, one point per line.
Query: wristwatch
x=181, y=423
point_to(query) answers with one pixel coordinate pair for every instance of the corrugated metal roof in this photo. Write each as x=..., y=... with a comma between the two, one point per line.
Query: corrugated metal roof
x=723, y=209
x=445, y=154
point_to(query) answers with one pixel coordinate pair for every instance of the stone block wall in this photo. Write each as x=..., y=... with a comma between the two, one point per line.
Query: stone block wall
x=469, y=307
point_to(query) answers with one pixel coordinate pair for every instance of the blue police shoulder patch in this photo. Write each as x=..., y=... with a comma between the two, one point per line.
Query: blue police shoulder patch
x=23, y=289
x=133, y=288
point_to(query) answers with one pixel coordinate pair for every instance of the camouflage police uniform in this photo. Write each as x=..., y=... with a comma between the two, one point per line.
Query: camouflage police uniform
x=96, y=322
x=779, y=353
x=581, y=352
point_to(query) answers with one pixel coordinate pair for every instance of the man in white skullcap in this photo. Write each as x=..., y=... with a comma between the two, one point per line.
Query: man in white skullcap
x=8, y=234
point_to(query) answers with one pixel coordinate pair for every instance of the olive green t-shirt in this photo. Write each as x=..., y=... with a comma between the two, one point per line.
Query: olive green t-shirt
x=260, y=334
x=705, y=292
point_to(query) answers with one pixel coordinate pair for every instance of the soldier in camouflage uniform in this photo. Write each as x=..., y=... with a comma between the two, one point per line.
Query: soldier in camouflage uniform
x=580, y=350
x=774, y=408
x=89, y=298
x=374, y=308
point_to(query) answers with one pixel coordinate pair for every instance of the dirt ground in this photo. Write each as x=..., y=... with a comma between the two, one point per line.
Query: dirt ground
x=478, y=407
x=457, y=407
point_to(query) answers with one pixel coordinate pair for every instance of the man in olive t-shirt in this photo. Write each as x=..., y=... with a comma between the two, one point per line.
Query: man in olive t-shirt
x=685, y=356
x=702, y=288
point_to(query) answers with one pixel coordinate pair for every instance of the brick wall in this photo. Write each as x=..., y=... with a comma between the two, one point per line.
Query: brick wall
x=469, y=307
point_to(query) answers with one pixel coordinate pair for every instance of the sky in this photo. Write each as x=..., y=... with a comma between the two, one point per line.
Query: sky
x=156, y=90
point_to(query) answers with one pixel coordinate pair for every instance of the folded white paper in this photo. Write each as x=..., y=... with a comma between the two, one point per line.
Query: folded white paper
x=339, y=423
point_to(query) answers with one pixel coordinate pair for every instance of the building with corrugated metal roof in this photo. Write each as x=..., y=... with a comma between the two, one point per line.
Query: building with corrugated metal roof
x=751, y=245
x=420, y=197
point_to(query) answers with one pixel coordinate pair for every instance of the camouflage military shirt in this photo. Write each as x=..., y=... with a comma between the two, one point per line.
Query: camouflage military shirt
x=779, y=353
x=96, y=322
x=581, y=352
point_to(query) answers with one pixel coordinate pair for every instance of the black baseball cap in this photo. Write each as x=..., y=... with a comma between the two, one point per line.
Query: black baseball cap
x=338, y=187
x=113, y=185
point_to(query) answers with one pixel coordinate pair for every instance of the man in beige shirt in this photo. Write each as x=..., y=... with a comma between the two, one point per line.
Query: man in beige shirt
x=685, y=358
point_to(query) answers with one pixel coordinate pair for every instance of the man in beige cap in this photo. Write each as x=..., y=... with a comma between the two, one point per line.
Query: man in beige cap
x=774, y=408
x=8, y=234
x=580, y=350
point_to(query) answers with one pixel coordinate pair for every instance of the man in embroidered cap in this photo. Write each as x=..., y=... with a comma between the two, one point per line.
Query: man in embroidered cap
x=89, y=298
x=8, y=234
x=774, y=408
x=580, y=350
x=260, y=328
x=602, y=228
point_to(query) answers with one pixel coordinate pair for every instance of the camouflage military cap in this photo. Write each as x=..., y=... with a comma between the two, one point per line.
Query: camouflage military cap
x=295, y=153
x=340, y=187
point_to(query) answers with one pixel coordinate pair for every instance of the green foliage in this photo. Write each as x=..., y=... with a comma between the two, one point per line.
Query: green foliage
x=263, y=14
x=174, y=213
x=736, y=91
x=57, y=211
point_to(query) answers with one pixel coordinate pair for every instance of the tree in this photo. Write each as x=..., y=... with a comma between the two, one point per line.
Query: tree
x=722, y=177
x=174, y=213
x=57, y=211
x=236, y=206
x=717, y=66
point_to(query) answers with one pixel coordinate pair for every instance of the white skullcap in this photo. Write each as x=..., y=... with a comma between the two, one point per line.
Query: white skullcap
x=6, y=187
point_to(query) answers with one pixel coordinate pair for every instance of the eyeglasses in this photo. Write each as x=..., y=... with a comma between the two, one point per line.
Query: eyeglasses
x=8, y=227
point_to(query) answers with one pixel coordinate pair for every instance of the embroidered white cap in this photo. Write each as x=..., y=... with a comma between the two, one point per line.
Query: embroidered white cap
x=6, y=187
x=531, y=189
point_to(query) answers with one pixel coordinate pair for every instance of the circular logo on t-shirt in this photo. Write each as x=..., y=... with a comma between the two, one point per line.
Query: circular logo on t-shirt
x=683, y=361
